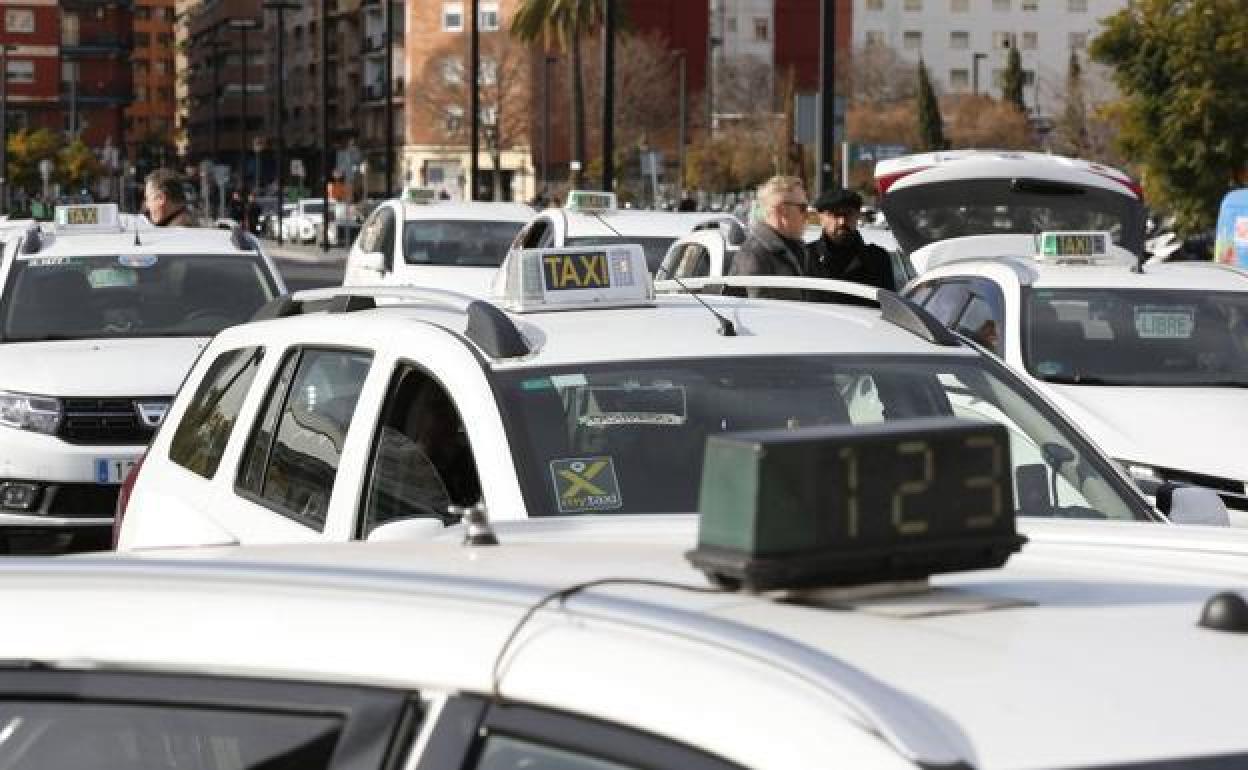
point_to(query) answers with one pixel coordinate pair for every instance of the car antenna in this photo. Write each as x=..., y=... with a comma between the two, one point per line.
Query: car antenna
x=726, y=327
x=137, y=242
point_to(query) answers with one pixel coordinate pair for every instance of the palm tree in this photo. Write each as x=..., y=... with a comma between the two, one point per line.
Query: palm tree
x=561, y=24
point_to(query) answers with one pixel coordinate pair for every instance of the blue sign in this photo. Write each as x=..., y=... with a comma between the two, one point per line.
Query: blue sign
x=1231, y=244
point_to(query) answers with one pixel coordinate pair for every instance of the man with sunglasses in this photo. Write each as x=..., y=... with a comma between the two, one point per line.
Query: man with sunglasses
x=774, y=246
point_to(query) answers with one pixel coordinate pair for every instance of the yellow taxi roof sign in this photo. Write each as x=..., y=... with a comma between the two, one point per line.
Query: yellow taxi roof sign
x=87, y=217
x=535, y=280
x=1074, y=247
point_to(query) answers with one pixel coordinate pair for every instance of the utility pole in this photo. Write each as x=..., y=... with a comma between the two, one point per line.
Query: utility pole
x=389, y=78
x=4, y=126
x=546, y=62
x=244, y=25
x=326, y=160
x=825, y=171
x=281, y=6
x=608, y=96
x=681, y=128
x=474, y=99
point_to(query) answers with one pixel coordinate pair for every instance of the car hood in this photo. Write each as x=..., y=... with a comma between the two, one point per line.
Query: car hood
x=115, y=367
x=1188, y=429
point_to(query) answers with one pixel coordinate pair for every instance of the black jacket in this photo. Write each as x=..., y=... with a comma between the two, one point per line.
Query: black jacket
x=856, y=261
x=767, y=252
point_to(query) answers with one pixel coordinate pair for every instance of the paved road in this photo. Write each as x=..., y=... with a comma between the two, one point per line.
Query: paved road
x=307, y=267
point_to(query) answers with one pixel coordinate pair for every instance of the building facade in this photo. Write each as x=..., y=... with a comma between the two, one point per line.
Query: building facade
x=32, y=34
x=151, y=117
x=966, y=43
x=96, y=84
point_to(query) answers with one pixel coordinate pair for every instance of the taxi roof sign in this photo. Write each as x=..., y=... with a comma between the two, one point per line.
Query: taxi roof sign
x=87, y=217
x=591, y=200
x=1074, y=247
x=534, y=280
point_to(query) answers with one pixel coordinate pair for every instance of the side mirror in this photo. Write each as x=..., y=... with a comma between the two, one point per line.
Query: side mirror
x=1192, y=506
x=372, y=260
x=414, y=529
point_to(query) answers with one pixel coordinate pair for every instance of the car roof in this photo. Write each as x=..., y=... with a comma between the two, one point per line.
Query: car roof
x=632, y=223
x=960, y=165
x=675, y=326
x=1069, y=634
x=144, y=240
x=1168, y=276
x=471, y=210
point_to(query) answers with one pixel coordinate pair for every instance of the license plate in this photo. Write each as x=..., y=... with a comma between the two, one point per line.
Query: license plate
x=112, y=470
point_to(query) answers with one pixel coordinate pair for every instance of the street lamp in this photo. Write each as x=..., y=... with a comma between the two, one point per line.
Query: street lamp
x=281, y=6
x=975, y=57
x=549, y=60
x=244, y=25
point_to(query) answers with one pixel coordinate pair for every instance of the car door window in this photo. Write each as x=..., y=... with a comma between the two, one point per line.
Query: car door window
x=947, y=301
x=695, y=261
x=501, y=752
x=981, y=323
x=292, y=459
x=422, y=462
x=534, y=235
x=370, y=233
x=200, y=439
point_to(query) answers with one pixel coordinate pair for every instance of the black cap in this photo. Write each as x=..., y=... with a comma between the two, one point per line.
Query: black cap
x=838, y=198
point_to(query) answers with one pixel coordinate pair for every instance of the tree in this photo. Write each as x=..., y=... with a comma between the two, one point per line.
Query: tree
x=562, y=24
x=877, y=73
x=1181, y=69
x=981, y=121
x=931, y=125
x=443, y=90
x=78, y=166
x=26, y=148
x=1012, y=81
x=1072, y=134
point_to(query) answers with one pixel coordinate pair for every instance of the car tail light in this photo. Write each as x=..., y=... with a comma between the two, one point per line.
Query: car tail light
x=123, y=497
x=882, y=183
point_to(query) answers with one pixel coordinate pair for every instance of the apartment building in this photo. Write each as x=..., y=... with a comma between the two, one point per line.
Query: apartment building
x=95, y=82
x=32, y=33
x=966, y=43
x=151, y=118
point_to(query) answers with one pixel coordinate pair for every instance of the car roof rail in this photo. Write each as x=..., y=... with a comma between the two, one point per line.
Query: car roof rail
x=33, y=241
x=850, y=289
x=488, y=326
x=910, y=316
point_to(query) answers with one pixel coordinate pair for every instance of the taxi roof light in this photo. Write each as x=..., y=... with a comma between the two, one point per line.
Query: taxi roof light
x=87, y=218
x=1075, y=247
x=535, y=280
x=840, y=506
x=591, y=200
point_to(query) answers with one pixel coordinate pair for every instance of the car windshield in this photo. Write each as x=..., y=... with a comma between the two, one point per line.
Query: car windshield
x=1137, y=337
x=462, y=242
x=935, y=212
x=655, y=248
x=143, y=295
x=628, y=438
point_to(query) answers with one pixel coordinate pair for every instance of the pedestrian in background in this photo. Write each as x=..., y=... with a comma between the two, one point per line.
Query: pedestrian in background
x=774, y=245
x=165, y=199
x=840, y=252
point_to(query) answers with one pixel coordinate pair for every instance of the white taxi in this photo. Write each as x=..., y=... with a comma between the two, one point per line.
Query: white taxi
x=864, y=638
x=371, y=413
x=98, y=327
x=447, y=245
x=1151, y=362
x=965, y=203
x=590, y=218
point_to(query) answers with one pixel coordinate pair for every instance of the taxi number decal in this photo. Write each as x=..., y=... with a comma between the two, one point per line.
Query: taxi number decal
x=575, y=271
x=585, y=484
x=82, y=215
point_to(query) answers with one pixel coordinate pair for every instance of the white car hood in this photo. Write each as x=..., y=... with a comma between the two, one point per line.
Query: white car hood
x=1144, y=425
x=990, y=246
x=116, y=367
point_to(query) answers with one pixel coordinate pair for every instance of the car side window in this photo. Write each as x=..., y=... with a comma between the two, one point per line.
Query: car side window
x=422, y=462
x=370, y=234
x=947, y=301
x=292, y=459
x=200, y=439
x=532, y=236
x=695, y=261
x=980, y=322
x=920, y=293
x=388, y=226
x=501, y=752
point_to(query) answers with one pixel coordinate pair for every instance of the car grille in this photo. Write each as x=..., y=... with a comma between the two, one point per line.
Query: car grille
x=105, y=421
x=82, y=501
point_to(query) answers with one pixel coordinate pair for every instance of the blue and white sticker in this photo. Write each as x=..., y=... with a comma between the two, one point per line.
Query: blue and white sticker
x=137, y=260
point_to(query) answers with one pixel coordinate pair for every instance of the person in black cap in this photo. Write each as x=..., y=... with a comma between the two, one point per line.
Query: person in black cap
x=840, y=252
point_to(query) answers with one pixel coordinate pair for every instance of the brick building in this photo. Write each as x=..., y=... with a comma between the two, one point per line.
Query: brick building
x=150, y=118
x=96, y=82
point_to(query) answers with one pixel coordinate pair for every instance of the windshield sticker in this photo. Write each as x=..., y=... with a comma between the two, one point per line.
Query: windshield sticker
x=585, y=484
x=568, y=380
x=53, y=261
x=112, y=277
x=1048, y=368
x=633, y=405
x=1159, y=322
x=137, y=260
x=537, y=383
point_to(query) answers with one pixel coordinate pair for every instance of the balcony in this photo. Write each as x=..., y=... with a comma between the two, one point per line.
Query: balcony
x=374, y=94
x=97, y=46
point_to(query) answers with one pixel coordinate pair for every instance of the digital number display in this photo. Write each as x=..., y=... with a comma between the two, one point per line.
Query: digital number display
x=1074, y=244
x=561, y=272
x=845, y=505
x=82, y=215
x=1165, y=323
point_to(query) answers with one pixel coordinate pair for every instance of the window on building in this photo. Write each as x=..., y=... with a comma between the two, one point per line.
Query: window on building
x=959, y=6
x=141, y=13
x=1029, y=77
x=730, y=25
x=959, y=79
x=762, y=30
x=1002, y=40
x=454, y=119
x=489, y=71
x=69, y=28
x=1000, y=5
x=1078, y=40
x=960, y=39
x=489, y=16
x=20, y=20
x=875, y=37
x=913, y=5
x=21, y=71
x=142, y=40
x=1031, y=5
x=912, y=40
x=452, y=17
x=163, y=66
x=453, y=70
x=875, y=5
x=140, y=93
x=1077, y=6
x=998, y=78
x=1031, y=40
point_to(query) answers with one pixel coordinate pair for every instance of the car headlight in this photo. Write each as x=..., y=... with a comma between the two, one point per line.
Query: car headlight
x=1145, y=477
x=40, y=414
